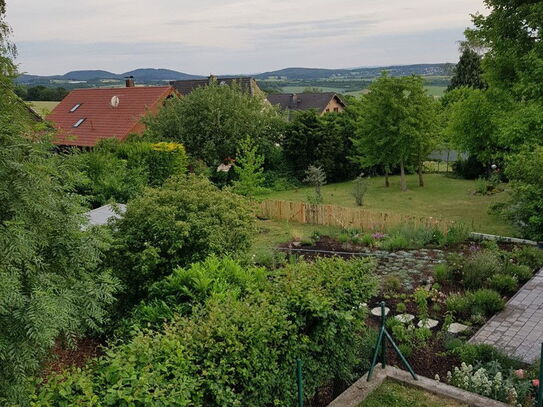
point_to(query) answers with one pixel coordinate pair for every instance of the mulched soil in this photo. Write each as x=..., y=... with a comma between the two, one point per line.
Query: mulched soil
x=64, y=357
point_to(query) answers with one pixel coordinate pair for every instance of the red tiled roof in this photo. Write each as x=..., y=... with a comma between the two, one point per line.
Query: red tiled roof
x=101, y=119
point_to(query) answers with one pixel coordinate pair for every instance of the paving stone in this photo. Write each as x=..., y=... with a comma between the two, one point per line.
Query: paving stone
x=429, y=323
x=405, y=318
x=456, y=328
x=518, y=329
x=377, y=311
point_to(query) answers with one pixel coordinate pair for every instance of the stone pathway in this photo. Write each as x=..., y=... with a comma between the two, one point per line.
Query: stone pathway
x=518, y=329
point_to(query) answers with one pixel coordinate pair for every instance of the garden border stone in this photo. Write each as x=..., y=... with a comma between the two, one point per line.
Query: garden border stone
x=359, y=391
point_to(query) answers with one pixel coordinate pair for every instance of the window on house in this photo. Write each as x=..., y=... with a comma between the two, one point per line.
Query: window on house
x=79, y=122
x=327, y=110
x=336, y=109
x=73, y=109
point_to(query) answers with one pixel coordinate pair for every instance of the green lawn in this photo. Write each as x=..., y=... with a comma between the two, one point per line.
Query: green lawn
x=391, y=394
x=435, y=90
x=44, y=108
x=442, y=197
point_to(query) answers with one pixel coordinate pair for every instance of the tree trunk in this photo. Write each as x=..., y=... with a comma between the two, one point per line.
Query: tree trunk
x=387, y=182
x=403, y=181
x=421, y=180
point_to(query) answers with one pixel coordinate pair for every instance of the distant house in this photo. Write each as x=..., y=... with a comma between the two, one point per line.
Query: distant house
x=247, y=84
x=86, y=116
x=321, y=102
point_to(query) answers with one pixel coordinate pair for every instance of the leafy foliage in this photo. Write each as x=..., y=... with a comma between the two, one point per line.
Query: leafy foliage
x=183, y=222
x=238, y=349
x=47, y=263
x=322, y=141
x=468, y=72
x=213, y=121
x=118, y=172
x=249, y=170
x=404, y=135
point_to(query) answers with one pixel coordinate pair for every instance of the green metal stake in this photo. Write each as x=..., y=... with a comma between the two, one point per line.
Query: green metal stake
x=540, y=388
x=380, y=347
x=383, y=343
x=300, y=383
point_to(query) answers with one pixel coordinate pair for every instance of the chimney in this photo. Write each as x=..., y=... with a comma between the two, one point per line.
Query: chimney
x=129, y=81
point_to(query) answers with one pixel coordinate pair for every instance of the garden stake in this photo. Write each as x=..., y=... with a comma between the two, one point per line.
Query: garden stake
x=300, y=383
x=539, y=388
x=380, y=347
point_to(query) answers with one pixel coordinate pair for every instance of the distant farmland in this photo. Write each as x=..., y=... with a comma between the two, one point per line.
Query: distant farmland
x=43, y=108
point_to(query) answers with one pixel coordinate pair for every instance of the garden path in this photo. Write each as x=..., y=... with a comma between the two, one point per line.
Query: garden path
x=518, y=329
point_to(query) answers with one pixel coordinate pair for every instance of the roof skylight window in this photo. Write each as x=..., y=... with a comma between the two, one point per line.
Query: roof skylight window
x=73, y=109
x=79, y=122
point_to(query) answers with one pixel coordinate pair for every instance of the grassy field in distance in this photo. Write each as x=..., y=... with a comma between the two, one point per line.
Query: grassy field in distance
x=43, y=108
x=443, y=197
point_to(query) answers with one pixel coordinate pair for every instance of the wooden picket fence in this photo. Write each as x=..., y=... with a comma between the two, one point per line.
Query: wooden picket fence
x=347, y=218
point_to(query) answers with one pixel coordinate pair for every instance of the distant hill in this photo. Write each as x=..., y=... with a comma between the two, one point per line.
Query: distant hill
x=95, y=77
x=358, y=73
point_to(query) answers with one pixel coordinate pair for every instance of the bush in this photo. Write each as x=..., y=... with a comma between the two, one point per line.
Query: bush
x=393, y=243
x=521, y=273
x=443, y=274
x=477, y=354
x=183, y=222
x=238, y=351
x=487, y=302
x=414, y=236
x=528, y=256
x=503, y=283
x=360, y=187
x=480, y=267
x=484, y=301
x=392, y=283
x=470, y=168
x=457, y=233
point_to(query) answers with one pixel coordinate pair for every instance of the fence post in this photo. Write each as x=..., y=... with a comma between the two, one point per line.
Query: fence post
x=300, y=383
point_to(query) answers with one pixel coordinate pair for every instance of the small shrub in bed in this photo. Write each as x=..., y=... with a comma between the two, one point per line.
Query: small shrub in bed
x=487, y=301
x=504, y=284
x=484, y=301
x=531, y=257
x=396, y=242
x=479, y=267
x=443, y=274
x=520, y=272
x=457, y=233
x=476, y=354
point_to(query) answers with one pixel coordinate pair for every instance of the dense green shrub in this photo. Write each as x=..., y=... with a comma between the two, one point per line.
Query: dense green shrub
x=52, y=281
x=239, y=351
x=457, y=233
x=470, y=168
x=476, y=354
x=503, y=283
x=115, y=171
x=395, y=242
x=528, y=256
x=484, y=301
x=187, y=287
x=479, y=267
x=443, y=274
x=519, y=272
x=410, y=236
x=183, y=222
x=213, y=121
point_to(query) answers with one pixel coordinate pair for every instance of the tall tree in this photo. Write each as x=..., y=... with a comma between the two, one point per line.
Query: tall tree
x=511, y=33
x=468, y=72
x=397, y=125
x=213, y=121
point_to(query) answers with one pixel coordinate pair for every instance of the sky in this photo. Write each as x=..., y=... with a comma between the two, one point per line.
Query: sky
x=234, y=36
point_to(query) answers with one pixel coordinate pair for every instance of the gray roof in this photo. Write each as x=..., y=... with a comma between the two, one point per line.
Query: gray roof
x=101, y=216
x=303, y=101
x=185, y=87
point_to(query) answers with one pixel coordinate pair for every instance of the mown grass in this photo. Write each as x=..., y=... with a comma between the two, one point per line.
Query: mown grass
x=443, y=197
x=391, y=394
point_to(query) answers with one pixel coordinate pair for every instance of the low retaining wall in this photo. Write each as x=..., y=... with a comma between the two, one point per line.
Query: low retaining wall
x=484, y=236
x=357, y=393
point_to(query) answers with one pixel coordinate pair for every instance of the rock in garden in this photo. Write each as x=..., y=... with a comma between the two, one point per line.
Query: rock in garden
x=377, y=311
x=429, y=323
x=456, y=328
x=405, y=318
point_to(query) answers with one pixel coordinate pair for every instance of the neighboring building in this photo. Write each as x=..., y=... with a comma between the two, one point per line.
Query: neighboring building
x=86, y=116
x=247, y=84
x=101, y=216
x=321, y=102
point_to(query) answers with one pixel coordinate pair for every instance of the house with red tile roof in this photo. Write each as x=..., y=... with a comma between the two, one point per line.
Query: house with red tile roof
x=86, y=116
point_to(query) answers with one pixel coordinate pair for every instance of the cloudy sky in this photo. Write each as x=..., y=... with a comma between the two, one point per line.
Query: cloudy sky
x=234, y=36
